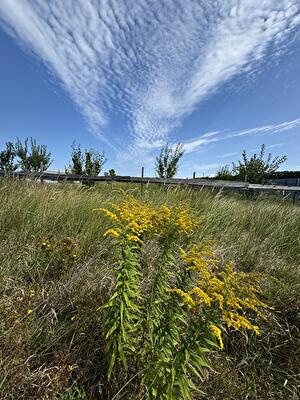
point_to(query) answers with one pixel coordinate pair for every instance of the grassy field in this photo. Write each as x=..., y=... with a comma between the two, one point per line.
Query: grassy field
x=51, y=344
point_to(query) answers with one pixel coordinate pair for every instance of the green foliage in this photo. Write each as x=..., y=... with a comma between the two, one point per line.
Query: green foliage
x=121, y=322
x=178, y=360
x=256, y=168
x=154, y=329
x=77, y=161
x=284, y=175
x=111, y=172
x=33, y=157
x=167, y=162
x=224, y=173
x=73, y=393
x=88, y=162
x=7, y=158
x=174, y=349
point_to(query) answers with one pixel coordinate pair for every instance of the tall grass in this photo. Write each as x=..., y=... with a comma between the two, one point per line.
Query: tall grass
x=51, y=332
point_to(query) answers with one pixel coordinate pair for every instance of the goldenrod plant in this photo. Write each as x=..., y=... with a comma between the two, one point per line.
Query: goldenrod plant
x=191, y=299
x=133, y=222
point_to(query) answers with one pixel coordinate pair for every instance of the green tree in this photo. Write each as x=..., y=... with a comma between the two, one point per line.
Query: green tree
x=112, y=172
x=258, y=167
x=167, y=162
x=32, y=157
x=77, y=160
x=7, y=158
x=88, y=162
x=97, y=161
x=224, y=173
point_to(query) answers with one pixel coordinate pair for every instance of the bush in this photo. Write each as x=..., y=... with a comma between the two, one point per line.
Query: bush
x=257, y=168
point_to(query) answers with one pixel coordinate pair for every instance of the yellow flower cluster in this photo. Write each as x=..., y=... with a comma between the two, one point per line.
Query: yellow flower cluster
x=238, y=321
x=134, y=219
x=227, y=293
x=64, y=248
x=68, y=246
x=218, y=334
x=185, y=222
x=46, y=245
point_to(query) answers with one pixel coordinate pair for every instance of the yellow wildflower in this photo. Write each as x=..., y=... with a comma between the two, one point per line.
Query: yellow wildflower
x=218, y=334
x=111, y=232
x=202, y=296
x=46, y=245
x=29, y=311
x=237, y=321
x=223, y=289
x=108, y=213
x=185, y=296
x=219, y=298
x=134, y=238
x=71, y=368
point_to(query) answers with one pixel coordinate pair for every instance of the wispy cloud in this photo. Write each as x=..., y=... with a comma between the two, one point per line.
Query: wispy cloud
x=199, y=142
x=228, y=155
x=272, y=146
x=149, y=62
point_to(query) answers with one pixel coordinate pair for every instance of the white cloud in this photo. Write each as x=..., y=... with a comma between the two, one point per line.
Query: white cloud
x=272, y=146
x=199, y=142
x=150, y=63
x=228, y=155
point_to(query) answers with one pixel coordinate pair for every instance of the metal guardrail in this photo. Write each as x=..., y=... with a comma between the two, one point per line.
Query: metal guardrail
x=196, y=182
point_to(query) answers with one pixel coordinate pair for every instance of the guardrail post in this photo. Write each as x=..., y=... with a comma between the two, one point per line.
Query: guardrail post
x=142, y=182
x=41, y=171
x=193, y=187
x=295, y=193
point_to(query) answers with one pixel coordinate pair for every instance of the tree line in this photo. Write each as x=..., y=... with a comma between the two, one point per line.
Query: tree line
x=257, y=168
x=33, y=157
x=29, y=156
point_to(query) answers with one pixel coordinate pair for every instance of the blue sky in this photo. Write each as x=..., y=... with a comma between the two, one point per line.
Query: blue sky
x=127, y=76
